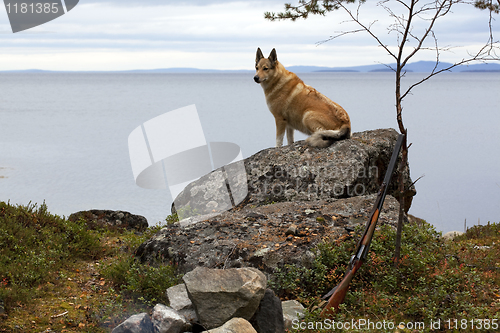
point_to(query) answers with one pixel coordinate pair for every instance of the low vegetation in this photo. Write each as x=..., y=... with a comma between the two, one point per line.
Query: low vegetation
x=453, y=283
x=60, y=276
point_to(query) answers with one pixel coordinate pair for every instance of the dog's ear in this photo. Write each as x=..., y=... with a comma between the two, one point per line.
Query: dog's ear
x=273, y=58
x=258, y=56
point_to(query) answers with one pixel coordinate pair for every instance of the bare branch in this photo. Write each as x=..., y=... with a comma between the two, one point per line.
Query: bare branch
x=404, y=4
x=428, y=30
x=416, y=180
x=388, y=66
x=339, y=34
x=480, y=56
x=365, y=28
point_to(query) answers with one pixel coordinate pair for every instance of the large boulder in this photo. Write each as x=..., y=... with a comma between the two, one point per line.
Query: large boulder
x=298, y=196
x=265, y=237
x=110, y=218
x=219, y=295
x=299, y=172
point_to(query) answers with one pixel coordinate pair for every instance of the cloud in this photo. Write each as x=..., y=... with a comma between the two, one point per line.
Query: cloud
x=181, y=3
x=205, y=34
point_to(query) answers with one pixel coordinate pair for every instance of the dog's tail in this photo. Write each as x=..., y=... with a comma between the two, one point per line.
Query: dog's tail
x=325, y=138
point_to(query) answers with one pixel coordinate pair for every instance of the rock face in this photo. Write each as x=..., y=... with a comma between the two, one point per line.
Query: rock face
x=298, y=196
x=106, y=218
x=264, y=237
x=299, y=172
x=219, y=295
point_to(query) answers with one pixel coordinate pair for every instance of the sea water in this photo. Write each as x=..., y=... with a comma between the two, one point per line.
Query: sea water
x=64, y=136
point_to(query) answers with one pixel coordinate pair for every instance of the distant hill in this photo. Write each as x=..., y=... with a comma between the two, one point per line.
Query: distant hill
x=417, y=67
x=25, y=71
x=186, y=70
x=159, y=70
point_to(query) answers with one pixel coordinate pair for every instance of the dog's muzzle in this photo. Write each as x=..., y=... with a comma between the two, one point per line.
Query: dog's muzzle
x=256, y=78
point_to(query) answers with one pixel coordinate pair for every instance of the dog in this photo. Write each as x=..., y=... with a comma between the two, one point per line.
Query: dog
x=297, y=106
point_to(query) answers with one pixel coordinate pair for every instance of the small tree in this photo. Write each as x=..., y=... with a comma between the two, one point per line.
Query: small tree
x=406, y=43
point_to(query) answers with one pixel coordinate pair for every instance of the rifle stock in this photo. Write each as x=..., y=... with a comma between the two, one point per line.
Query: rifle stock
x=338, y=293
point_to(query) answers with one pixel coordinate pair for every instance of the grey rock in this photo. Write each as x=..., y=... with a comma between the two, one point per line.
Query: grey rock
x=292, y=310
x=235, y=325
x=219, y=295
x=269, y=316
x=167, y=320
x=229, y=240
x=298, y=196
x=220, y=189
x=109, y=218
x=139, y=323
x=299, y=172
x=180, y=302
x=450, y=235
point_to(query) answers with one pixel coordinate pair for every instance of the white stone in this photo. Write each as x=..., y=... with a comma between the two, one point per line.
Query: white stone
x=139, y=323
x=292, y=310
x=167, y=320
x=235, y=325
x=452, y=234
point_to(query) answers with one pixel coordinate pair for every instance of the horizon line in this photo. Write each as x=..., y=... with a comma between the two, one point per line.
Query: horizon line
x=418, y=66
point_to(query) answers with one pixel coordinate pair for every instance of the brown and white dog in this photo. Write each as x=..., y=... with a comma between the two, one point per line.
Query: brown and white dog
x=297, y=106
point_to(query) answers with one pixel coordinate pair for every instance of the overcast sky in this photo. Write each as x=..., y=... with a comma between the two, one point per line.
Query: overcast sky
x=149, y=34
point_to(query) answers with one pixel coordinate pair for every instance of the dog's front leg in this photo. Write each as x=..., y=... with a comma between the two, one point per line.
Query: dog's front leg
x=280, y=131
x=289, y=134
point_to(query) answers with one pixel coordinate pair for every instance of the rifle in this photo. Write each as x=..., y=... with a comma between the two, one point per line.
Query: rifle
x=338, y=293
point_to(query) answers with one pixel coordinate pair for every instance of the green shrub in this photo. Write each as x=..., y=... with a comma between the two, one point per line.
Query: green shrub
x=146, y=282
x=481, y=231
x=305, y=284
x=34, y=244
x=429, y=283
x=172, y=218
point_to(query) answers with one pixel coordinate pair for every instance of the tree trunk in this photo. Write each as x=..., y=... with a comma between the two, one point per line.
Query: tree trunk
x=402, y=166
